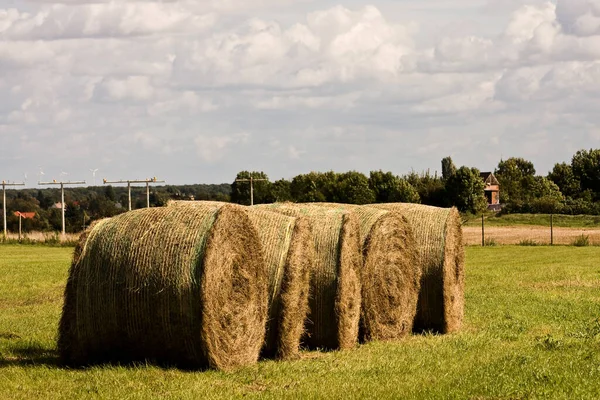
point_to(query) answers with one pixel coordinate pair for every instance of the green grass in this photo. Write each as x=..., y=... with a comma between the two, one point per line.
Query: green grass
x=532, y=331
x=562, y=221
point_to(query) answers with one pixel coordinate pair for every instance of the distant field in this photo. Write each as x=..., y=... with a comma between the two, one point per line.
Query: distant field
x=537, y=234
x=532, y=330
x=564, y=221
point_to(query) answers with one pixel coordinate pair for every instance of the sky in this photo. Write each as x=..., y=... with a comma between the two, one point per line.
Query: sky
x=194, y=92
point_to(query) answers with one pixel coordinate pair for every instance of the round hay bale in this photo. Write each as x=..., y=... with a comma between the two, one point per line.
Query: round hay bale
x=391, y=275
x=335, y=284
x=167, y=285
x=289, y=255
x=438, y=234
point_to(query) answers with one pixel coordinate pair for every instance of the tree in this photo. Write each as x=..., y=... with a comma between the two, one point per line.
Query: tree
x=562, y=175
x=516, y=176
x=389, y=188
x=586, y=168
x=448, y=168
x=109, y=193
x=465, y=190
x=431, y=189
x=304, y=188
x=353, y=188
x=240, y=191
x=281, y=190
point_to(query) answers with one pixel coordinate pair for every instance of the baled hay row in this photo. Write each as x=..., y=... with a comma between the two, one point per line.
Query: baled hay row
x=438, y=233
x=335, y=283
x=391, y=275
x=179, y=287
x=289, y=255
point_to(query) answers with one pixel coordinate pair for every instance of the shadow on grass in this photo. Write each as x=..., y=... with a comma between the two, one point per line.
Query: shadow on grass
x=30, y=355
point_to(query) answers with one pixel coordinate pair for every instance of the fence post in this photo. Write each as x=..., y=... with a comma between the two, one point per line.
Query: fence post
x=551, y=229
x=482, y=232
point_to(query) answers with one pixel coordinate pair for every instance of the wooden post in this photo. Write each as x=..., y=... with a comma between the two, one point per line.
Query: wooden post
x=551, y=229
x=20, y=215
x=482, y=232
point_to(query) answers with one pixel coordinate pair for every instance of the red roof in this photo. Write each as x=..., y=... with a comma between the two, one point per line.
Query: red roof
x=25, y=215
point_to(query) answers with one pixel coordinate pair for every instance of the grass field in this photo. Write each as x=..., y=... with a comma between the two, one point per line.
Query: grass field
x=532, y=331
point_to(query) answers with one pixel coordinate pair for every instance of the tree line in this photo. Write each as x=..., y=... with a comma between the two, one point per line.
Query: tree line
x=570, y=188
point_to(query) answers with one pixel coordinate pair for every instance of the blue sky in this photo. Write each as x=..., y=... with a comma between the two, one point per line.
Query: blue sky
x=194, y=92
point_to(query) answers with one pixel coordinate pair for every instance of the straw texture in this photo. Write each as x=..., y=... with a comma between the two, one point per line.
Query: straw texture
x=335, y=283
x=391, y=275
x=289, y=255
x=438, y=234
x=173, y=286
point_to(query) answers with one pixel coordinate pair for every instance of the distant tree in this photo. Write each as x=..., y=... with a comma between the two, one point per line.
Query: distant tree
x=448, y=168
x=240, y=191
x=305, y=188
x=431, y=188
x=281, y=190
x=545, y=197
x=586, y=168
x=109, y=193
x=353, y=188
x=389, y=188
x=562, y=175
x=465, y=190
x=516, y=177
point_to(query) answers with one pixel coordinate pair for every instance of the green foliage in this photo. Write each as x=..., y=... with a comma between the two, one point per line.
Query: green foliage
x=465, y=190
x=353, y=188
x=306, y=188
x=281, y=190
x=586, y=168
x=448, y=168
x=528, y=242
x=581, y=241
x=516, y=177
x=489, y=242
x=389, y=188
x=240, y=191
x=562, y=175
x=431, y=188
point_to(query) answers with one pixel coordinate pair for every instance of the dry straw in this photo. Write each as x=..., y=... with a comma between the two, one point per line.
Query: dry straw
x=289, y=255
x=391, y=275
x=438, y=234
x=178, y=287
x=335, y=284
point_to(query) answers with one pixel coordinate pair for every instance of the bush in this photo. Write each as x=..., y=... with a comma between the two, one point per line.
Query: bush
x=528, y=242
x=581, y=241
x=490, y=242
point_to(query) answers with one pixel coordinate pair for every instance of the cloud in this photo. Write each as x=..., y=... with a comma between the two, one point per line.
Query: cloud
x=213, y=148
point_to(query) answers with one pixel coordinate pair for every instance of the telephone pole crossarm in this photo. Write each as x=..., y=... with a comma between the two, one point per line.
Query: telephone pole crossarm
x=4, y=185
x=62, y=196
x=130, y=181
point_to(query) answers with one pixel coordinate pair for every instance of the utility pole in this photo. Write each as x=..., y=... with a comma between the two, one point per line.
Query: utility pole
x=4, y=185
x=251, y=180
x=129, y=182
x=62, y=196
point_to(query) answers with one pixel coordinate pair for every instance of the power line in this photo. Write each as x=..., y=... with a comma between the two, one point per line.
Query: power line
x=62, y=196
x=251, y=180
x=129, y=182
x=4, y=185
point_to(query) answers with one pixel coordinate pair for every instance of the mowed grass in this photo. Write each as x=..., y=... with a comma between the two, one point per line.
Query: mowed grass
x=532, y=330
x=561, y=221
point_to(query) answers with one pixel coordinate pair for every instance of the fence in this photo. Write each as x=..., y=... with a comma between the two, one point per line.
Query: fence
x=485, y=234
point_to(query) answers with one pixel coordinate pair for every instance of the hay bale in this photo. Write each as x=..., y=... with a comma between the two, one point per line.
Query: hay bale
x=335, y=283
x=177, y=287
x=438, y=233
x=391, y=275
x=289, y=255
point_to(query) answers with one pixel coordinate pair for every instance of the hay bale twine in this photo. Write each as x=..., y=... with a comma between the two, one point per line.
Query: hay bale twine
x=289, y=254
x=438, y=233
x=177, y=287
x=335, y=284
x=391, y=275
